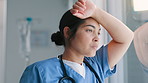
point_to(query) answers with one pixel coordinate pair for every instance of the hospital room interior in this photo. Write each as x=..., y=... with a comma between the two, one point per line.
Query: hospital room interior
x=26, y=27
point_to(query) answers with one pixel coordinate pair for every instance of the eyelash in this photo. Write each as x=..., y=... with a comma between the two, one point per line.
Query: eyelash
x=89, y=30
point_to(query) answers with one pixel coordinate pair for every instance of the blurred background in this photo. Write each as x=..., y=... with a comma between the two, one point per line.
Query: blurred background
x=26, y=27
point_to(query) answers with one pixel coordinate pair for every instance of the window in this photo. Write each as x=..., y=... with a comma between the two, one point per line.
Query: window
x=140, y=5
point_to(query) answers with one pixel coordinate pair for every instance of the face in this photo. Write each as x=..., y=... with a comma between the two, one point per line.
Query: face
x=86, y=40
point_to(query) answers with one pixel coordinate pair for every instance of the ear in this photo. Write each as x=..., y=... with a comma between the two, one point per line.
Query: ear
x=66, y=32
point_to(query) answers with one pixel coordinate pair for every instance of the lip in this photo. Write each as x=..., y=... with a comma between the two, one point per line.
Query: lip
x=95, y=47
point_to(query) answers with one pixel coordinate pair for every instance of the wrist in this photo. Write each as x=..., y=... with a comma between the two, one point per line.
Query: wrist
x=97, y=14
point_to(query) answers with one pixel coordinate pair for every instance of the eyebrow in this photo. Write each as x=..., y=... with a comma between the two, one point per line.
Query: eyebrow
x=92, y=26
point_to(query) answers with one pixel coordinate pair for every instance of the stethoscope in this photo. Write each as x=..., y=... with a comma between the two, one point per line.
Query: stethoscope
x=66, y=77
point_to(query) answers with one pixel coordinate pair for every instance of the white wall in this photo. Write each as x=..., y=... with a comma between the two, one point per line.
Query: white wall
x=47, y=14
x=2, y=39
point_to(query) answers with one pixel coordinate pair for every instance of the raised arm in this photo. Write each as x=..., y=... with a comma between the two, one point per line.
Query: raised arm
x=121, y=34
x=141, y=43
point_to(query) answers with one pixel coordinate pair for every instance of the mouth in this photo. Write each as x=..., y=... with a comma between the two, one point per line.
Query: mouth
x=95, y=47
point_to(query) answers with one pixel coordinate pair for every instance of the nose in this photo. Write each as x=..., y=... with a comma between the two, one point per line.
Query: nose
x=96, y=38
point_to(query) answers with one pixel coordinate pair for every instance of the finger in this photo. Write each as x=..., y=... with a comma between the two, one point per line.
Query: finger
x=80, y=5
x=82, y=1
x=74, y=11
x=77, y=13
x=75, y=6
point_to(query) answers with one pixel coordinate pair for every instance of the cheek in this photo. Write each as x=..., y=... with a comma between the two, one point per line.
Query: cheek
x=83, y=38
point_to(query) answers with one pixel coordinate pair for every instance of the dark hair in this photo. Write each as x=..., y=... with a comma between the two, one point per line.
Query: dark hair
x=58, y=38
x=69, y=20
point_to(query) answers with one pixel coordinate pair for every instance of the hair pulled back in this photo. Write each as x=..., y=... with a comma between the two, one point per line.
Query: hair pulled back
x=58, y=38
x=69, y=20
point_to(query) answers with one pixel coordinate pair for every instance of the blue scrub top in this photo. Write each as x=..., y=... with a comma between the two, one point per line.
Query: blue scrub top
x=49, y=71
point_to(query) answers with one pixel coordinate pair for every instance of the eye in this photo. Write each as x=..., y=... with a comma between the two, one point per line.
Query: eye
x=99, y=34
x=89, y=30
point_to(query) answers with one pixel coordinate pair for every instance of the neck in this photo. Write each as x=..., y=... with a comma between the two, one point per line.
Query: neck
x=72, y=56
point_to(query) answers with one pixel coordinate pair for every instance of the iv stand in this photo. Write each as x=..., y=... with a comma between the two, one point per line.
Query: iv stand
x=24, y=30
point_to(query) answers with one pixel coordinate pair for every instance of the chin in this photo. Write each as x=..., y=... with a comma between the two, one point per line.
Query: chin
x=91, y=55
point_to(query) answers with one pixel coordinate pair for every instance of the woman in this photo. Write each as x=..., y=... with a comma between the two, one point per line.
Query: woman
x=79, y=33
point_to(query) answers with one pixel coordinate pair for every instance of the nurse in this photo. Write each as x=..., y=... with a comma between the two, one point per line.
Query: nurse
x=82, y=61
x=141, y=45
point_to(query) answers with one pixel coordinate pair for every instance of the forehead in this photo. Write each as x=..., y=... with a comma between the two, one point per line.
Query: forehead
x=91, y=21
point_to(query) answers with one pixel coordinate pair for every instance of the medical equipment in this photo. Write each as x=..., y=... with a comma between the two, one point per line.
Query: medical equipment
x=24, y=30
x=66, y=77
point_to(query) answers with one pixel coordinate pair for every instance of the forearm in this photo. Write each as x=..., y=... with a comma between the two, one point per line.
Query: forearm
x=118, y=31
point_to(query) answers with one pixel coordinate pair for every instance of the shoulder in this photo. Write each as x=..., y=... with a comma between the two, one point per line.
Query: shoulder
x=41, y=71
x=44, y=64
